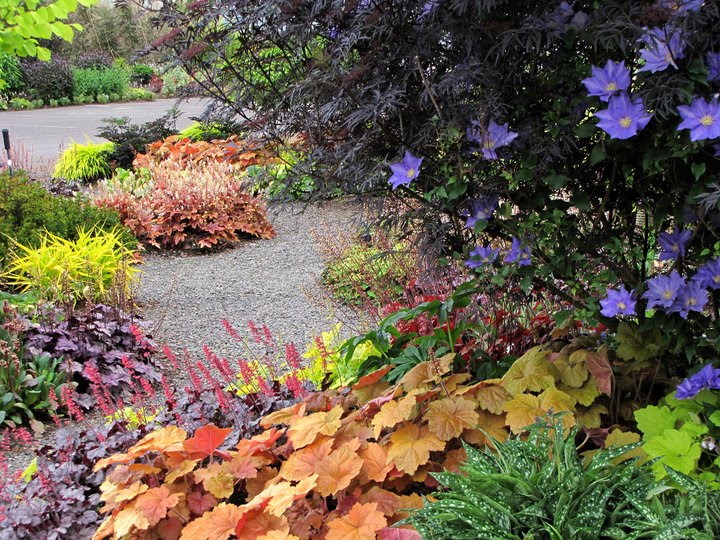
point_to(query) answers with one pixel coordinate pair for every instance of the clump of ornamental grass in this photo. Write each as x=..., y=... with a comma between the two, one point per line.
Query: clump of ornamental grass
x=84, y=162
x=65, y=271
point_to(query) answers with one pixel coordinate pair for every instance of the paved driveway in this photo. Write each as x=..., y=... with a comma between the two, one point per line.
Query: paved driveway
x=45, y=132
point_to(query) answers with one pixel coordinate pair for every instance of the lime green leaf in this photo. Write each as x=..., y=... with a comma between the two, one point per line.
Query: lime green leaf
x=675, y=449
x=653, y=420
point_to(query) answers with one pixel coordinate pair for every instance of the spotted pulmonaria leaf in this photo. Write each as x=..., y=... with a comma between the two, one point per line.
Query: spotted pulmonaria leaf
x=361, y=523
x=305, y=430
x=411, y=446
x=533, y=371
x=206, y=441
x=448, y=418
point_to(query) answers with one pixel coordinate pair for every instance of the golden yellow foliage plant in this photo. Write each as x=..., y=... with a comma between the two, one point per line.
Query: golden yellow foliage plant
x=345, y=463
x=66, y=271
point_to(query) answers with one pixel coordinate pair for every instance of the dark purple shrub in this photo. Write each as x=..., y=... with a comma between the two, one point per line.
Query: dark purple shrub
x=48, y=80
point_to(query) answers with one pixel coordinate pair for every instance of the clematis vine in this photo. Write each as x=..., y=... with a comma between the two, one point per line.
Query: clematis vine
x=624, y=117
x=480, y=210
x=692, y=297
x=708, y=378
x=481, y=256
x=708, y=275
x=607, y=81
x=713, y=63
x=702, y=118
x=490, y=138
x=663, y=291
x=405, y=171
x=618, y=302
x=673, y=244
x=662, y=47
x=519, y=253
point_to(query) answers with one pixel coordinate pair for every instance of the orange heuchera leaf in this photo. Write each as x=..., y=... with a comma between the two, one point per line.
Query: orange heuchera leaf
x=113, y=494
x=169, y=528
x=216, y=525
x=427, y=372
x=371, y=378
x=241, y=467
x=522, y=411
x=304, y=431
x=278, y=534
x=158, y=441
x=394, y=412
x=155, y=502
x=411, y=447
x=279, y=497
x=254, y=523
x=259, y=443
x=492, y=426
x=301, y=463
x=387, y=501
x=105, y=529
x=447, y=418
x=600, y=368
x=492, y=398
x=336, y=471
x=366, y=393
x=206, y=441
x=376, y=465
x=452, y=382
x=185, y=467
x=361, y=523
x=454, y=459
x=127, y=519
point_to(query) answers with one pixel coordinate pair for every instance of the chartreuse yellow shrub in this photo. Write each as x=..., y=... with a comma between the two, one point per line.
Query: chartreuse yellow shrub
x=61, y=270
x=84, y=162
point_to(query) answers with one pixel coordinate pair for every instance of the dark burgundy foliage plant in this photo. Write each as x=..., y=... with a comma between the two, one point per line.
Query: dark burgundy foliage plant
x=97, y=338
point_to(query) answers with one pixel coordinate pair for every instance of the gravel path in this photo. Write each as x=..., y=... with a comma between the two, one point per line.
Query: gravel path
x=271, y=282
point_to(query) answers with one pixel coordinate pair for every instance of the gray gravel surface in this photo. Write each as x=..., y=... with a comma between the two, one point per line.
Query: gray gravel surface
x=273, y=282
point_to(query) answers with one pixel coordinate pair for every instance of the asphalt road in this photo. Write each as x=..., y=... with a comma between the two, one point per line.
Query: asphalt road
x=43, y=133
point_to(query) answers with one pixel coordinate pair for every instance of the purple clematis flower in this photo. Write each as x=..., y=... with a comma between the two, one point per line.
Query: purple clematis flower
x=663, y=291
x=673, y=244
x=708, y=275
x=406, y=171
x=481, y=256
x=491, y=138
x=692, y=297
x=608, y=81
x=681, y=6
x=480, y=210
x=623, y=118
x=518, y=253
x=713, y=62
x=662, y=47
x=618, y=302
x=702, y=118
x=708, y=378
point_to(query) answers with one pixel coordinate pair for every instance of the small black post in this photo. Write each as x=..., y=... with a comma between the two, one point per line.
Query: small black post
x=6, y=142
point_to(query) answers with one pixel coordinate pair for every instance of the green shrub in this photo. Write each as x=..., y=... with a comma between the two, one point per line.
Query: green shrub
x=64, y=271
x=27, y=211
x=93, y=81
x=84, y=162
x=21, y=103
x=138, y=94
x=141, y=74
x=11, y=74
x=53, y=103
x=65, y=101
x=131, y=139
x=103, y=98
x=48, y=80
x=204, y=132
x=540, y=488
x=174, y=80
x=114, y=97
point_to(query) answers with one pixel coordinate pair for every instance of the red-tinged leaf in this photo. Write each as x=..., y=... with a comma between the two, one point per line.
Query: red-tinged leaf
x=600, y=368
x=206, y=442
x=396, y=533
x=372, y=378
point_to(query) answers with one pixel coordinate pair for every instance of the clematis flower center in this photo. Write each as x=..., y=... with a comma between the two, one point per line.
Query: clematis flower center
x=675, y=248
x=625, y=121
x=611, y=87
x=707, y=120
x=621, y=306
x=691, y=301
x=489, y=144
x=716, y=279
x=410, y=173
x=667, y=295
